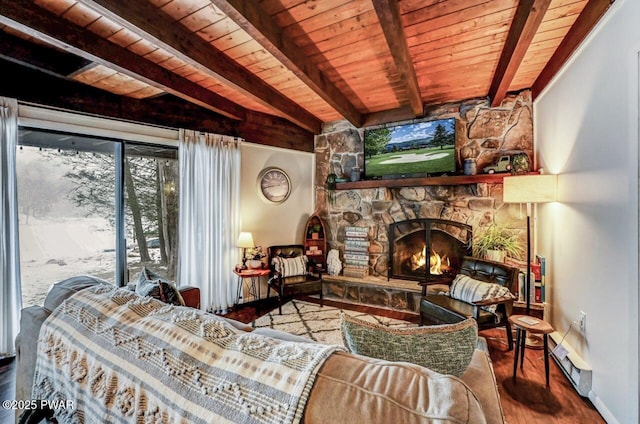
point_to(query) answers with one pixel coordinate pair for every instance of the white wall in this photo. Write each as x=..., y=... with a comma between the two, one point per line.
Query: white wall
x=272, y=223
x=586, y=130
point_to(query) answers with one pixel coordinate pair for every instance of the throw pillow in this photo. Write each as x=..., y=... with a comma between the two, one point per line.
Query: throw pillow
x=470, y=290
x=446, y=349
x=151, y=284
x=289, y=267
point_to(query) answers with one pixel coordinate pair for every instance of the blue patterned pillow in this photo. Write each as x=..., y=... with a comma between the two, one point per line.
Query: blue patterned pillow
x=446, y=349
x=151, y=284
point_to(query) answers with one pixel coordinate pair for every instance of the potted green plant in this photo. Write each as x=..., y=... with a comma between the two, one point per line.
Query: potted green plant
x=495, y=242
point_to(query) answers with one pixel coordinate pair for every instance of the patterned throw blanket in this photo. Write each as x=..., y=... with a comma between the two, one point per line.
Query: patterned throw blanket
x=117, y=357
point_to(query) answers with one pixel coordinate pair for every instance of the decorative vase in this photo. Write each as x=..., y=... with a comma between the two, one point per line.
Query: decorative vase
x=330, y=185
x=470, y=167
x=254, y=263
x=495, y=255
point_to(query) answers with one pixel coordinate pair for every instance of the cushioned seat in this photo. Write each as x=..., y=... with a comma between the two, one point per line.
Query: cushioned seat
x=448, y=310
x=292, y=274
x=442, y=308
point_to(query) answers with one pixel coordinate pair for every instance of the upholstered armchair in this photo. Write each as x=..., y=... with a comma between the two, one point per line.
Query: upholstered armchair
x=292, y=273
x=484, y=290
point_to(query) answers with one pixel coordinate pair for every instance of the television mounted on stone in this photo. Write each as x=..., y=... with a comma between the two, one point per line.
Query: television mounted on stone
x=414, y=150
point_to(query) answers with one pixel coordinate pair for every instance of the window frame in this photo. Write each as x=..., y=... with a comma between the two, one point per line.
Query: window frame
x=121, y=133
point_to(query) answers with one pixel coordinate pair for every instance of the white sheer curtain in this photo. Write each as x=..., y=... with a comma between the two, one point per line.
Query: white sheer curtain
x=209, y=217
x=11, y=298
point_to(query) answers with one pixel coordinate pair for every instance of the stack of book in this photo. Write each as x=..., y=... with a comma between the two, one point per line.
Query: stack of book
x=522, y=288
x=538, y=275
x=356, y=252
x=538, y=280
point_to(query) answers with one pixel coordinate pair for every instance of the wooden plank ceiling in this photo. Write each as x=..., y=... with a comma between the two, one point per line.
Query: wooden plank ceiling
x=307, y=61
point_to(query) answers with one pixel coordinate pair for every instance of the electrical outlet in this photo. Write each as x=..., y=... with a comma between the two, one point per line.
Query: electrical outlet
x=583, y=320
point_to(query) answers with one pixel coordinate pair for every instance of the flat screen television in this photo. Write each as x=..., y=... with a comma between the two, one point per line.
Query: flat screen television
x=420, y=149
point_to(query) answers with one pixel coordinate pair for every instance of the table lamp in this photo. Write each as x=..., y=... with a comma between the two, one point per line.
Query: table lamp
x=245, y=240
x=529, y=189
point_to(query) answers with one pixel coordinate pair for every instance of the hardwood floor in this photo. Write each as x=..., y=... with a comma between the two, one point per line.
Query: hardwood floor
x=526, y=401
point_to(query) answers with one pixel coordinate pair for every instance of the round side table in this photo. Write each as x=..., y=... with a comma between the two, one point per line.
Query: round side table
x=522, y=324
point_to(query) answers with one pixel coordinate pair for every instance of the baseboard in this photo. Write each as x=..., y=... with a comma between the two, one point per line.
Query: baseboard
x=572, y=365
x=602, y=409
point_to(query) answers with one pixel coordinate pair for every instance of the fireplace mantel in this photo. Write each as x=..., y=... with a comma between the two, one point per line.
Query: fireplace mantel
x=411, y=182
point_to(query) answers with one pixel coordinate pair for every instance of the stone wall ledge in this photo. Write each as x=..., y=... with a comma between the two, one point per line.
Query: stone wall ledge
x=394, y=283
x=399, y=295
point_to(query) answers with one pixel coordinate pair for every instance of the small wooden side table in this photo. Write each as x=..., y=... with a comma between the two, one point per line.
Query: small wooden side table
x=522, y=324
x=254, y=275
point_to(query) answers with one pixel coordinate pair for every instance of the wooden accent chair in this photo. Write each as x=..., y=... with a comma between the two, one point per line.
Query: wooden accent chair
x=441, y=308
x=292, y=273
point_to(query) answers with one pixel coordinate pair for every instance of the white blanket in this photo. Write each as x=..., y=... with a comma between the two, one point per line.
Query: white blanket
x=119, y=357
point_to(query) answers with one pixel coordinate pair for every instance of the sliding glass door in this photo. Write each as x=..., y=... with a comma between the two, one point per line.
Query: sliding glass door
x=151, y=199
x=93, y=206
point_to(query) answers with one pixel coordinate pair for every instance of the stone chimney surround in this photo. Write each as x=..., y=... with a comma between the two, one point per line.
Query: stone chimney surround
x=482, y=132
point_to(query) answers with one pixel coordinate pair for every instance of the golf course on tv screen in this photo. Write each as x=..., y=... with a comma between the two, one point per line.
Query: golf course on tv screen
x=413, y=150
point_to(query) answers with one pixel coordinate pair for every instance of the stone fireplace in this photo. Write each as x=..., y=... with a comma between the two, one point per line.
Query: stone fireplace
x=483, y=132
x=427, y=250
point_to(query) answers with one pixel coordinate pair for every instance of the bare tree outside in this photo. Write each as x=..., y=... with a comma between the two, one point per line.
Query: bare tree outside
x=60, y=238
x=38, y=199
x=67, y=198
x=152, y=211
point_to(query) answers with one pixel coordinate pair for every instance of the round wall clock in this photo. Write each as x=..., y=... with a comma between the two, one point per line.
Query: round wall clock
x=274, y=184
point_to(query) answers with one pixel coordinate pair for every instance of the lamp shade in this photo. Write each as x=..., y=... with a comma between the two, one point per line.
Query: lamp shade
x=539, y=188
x=245, y=239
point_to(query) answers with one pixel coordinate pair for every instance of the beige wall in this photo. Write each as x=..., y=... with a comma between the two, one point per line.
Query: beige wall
x=586, y=126
x=272, y=223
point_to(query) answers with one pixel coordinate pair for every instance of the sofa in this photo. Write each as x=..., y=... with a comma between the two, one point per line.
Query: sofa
x=346, y=387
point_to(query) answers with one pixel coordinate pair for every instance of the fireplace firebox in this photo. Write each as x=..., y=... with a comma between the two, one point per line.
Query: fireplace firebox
x=428, y=250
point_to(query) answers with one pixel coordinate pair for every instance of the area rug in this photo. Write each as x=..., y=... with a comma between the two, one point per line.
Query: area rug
x=320, y=324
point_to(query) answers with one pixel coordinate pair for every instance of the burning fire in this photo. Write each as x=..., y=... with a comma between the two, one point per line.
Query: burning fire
x=436, y=262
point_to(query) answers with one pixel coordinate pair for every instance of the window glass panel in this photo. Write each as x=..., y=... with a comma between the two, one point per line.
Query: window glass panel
x=151, y=215
x=66, y=198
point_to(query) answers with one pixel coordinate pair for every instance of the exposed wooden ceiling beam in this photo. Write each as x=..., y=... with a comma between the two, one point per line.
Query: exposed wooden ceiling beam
x=389, y=16
x=41, y=58
x=44, y=25
x=275, y=131
x=254, y=20
x=526, y=21
x=588, y=18
x=386, y=116
x=143, y=19
x=33, y=86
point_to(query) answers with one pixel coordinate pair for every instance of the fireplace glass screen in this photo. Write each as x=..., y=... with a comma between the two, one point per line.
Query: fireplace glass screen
x=428, y=249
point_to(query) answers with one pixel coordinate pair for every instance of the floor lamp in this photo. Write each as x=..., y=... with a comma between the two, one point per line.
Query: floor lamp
x=529, y=189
